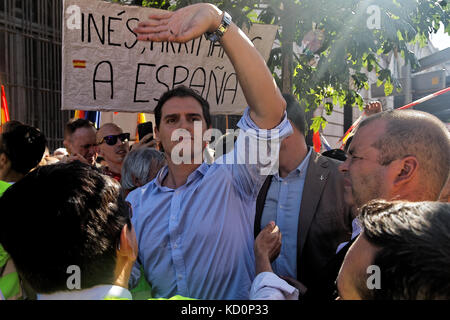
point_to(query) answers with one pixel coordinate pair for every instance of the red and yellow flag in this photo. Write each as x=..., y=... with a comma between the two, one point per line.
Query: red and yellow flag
x=79, y=64
x=4, y=108
x=316, y=142
x=79, y=114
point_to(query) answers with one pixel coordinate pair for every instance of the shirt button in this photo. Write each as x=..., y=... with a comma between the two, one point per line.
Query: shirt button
x=175, y=246
x=180, y=276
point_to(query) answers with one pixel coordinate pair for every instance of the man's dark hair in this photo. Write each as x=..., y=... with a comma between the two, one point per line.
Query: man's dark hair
x=24, y=146
x=182, y=91
x=295, y=113
x=414, y=249
x=10, y=125
x=419, y=134
x=73, y=124
x=71, y=215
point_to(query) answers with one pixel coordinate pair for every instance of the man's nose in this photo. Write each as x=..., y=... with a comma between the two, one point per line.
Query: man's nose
x=343, y=167
x=187, y=125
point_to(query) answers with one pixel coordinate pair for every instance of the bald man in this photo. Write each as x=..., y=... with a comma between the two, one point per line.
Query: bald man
x=113, y=146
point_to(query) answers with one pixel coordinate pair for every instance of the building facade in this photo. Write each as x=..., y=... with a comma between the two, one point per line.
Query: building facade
x=30, y=64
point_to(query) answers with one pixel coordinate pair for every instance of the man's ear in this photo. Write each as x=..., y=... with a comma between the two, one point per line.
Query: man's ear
x=3, y=160
x=128, y=243
x=5, y=165
x=407, y=170
x=156, y=134
x=158, y=141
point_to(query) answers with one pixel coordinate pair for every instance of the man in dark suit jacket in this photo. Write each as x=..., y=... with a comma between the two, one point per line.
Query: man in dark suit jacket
x=306, y=201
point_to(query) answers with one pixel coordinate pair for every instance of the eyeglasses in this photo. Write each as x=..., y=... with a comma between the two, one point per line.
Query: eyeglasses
x=112, y=139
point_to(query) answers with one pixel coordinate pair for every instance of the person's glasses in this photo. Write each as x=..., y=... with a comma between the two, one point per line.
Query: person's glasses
x=112, y=139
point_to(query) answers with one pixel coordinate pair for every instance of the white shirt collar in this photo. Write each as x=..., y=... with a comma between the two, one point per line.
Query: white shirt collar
x=99, y=292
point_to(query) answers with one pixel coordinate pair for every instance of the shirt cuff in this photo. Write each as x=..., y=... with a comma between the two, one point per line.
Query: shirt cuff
x=282, y=130
x=268, y=286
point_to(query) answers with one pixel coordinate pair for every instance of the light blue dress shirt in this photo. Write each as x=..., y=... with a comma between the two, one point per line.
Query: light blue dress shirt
x=282, y=205
x=197, y=240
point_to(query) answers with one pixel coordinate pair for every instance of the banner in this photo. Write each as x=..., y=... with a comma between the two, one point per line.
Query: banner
x=105, y=68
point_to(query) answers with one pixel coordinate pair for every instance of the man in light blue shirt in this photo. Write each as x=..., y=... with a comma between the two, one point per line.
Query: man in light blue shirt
x=282, y=205
x=194, y=221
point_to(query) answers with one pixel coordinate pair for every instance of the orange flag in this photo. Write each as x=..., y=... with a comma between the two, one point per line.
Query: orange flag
x=4, y=108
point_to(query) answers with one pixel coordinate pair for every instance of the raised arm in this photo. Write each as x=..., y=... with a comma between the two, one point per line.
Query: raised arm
x=261, y=92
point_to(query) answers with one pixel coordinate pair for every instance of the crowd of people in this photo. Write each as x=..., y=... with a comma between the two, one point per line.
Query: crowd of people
x=140, y=224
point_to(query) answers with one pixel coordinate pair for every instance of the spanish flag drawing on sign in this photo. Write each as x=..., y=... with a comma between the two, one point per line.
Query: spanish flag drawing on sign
x=4, y=109
x=79, y=64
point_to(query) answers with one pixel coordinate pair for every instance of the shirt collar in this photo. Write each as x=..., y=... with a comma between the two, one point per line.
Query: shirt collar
x=202, y=169
x=304, y=165
x=95, y=293
x=300, y=170
x=161, y=175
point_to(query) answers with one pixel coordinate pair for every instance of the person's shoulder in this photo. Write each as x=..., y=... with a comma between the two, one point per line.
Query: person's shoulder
x=141, y=193
x=320, y=163
x=326, y=161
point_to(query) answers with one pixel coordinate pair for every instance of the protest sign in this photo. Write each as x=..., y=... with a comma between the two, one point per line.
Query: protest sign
x=105, y=68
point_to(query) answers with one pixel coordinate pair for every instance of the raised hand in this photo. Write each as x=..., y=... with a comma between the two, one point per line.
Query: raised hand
x=373, y=107
x=181, y=25
x=147, y=141
x=74, y=157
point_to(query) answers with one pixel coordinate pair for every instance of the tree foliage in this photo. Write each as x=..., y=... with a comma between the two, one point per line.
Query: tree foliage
x=349, y=47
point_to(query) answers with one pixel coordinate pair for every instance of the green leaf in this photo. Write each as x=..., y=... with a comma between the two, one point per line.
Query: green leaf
x=317, y=123
x=388, y=87
x=329, y=108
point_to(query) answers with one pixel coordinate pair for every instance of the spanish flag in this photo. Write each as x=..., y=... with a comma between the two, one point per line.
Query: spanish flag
x=4, y=109
x=79, y=64
x=79, y=114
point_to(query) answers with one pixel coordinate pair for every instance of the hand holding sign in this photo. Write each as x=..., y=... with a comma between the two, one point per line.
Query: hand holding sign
x=181, y=25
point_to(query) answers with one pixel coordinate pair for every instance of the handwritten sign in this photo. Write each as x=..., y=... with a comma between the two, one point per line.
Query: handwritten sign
x=105, y=68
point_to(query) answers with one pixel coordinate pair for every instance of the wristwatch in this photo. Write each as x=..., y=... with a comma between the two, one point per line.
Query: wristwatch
x=223, y=27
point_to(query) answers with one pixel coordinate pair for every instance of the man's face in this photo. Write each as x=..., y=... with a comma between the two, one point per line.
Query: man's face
x=82, y=141
x=364, y=178
x=113, y=153
x=180, y=113
x=353, y=273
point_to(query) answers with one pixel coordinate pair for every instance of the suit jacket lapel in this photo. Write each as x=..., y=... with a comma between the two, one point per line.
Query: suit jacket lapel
x=315, y=181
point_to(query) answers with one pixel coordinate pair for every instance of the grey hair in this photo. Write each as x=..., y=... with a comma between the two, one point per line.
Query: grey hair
x=141, y=166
